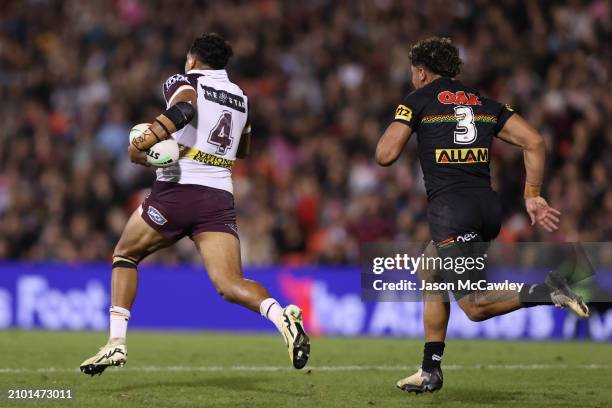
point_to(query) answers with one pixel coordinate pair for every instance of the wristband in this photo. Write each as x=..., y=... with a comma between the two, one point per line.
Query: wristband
x=532, y=190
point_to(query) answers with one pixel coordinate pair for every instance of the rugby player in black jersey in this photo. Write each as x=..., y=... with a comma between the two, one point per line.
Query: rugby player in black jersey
x=455, y=127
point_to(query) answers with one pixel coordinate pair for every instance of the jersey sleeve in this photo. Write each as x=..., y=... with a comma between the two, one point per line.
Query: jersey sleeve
x=410, y=111
x=175, y=84
x=505, y=111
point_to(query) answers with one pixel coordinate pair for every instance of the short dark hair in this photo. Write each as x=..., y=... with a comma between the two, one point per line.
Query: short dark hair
x=212, y=49
x=438, y=55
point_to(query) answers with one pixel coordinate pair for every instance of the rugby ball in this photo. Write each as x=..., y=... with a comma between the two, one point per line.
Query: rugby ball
x=162, y=154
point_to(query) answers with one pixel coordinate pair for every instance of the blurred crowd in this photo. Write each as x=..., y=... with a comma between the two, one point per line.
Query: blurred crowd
x=324, y=78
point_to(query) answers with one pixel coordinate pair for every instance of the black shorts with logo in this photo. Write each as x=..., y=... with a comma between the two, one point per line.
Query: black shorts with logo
x=466, y=215
x=177, y=210
x=461, y=224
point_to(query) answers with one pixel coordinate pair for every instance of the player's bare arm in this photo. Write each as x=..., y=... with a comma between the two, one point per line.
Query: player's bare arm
x=244, y=148
x=181, y=110
x=518, y=132
x=392, y=143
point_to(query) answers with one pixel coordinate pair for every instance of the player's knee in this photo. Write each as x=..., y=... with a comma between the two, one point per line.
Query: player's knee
x=131, y=252
x=124, y=261
x=125, y=257
x=476, y=311
x=229, y=290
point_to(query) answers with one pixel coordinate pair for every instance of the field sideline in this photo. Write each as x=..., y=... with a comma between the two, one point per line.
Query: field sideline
x=229, y=370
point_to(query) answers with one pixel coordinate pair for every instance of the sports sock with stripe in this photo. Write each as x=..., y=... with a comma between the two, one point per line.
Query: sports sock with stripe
x=119, y=318
x=271, y=310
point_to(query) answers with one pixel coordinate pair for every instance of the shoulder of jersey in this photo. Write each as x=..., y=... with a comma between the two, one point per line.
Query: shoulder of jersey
x=175, y=79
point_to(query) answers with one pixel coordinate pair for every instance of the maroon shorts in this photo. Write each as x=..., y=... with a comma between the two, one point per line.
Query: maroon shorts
x=177, y=210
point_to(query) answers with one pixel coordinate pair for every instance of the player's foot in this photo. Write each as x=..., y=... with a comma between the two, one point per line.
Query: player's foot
x=113, y=353
x=296, y=339
x=563, y=296
x=422, y=381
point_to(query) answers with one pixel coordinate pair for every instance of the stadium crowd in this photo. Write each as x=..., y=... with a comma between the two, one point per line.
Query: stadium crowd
x=324, y=78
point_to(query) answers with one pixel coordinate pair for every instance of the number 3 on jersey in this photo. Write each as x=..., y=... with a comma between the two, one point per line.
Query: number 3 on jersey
x=221, y=134
x=466, y=130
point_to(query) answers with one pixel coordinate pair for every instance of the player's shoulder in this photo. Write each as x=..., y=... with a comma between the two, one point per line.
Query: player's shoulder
x=179, y=79
x=235, y=88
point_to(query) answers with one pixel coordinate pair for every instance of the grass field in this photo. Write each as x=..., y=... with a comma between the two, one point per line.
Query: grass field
x=220, y=370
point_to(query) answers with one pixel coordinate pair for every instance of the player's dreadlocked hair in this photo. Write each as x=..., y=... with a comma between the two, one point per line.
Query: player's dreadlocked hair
x=438, y=55
x=212, y=49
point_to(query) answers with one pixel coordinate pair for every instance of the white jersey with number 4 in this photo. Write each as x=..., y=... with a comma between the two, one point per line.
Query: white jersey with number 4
x=221, y=119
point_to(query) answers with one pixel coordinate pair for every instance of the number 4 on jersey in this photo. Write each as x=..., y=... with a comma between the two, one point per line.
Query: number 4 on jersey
x=221, y=134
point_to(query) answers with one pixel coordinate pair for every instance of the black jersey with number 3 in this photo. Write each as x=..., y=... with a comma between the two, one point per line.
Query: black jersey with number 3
x=455, y=127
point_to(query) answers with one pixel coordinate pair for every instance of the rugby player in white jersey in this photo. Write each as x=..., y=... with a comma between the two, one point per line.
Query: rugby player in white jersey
x=208, y=115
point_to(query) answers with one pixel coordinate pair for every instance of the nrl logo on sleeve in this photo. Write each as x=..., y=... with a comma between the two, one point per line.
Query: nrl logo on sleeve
x=404, y=113
x=156, y=216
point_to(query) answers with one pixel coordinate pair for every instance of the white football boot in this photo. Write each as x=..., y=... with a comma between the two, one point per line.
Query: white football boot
x=422, y=381
x=298, y=343
x=113, y=353
x=563, y=296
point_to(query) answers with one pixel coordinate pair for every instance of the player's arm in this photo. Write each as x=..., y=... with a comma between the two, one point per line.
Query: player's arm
x=181, y=110
x=518, y=132
x=244, y=148
x=392, y=143
x=405, y=122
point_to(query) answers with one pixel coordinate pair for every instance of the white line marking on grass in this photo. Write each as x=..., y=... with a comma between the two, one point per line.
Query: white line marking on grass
x=314, y=368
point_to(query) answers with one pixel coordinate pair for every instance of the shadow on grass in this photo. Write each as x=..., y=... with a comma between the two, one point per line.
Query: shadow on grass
x=226, y=383
x=471, y=396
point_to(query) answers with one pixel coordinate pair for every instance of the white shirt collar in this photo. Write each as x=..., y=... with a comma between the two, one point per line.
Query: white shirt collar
x=213, y=73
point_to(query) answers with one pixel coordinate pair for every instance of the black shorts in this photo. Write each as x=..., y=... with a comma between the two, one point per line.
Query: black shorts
x=177, y=210
x=461, y=225
x=467, y=215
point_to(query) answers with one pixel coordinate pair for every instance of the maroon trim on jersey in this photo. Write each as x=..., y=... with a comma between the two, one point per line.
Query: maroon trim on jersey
x=173, y=83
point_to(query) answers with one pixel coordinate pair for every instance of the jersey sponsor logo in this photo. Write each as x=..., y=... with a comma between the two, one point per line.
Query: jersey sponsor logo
x=404, y=113
x=462, y=156
x=156, y=216
x=467, y=237
x=208, y=159
x=458, y=98
x=224, y=98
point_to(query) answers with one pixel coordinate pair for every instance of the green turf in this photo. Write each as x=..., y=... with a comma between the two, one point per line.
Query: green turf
x=480, y=374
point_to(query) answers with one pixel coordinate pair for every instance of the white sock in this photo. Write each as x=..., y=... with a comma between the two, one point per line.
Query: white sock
x=271, y=310
x=119, y=318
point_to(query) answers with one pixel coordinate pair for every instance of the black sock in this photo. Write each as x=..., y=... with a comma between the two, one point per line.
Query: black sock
x=534, y=295
x=432, y=355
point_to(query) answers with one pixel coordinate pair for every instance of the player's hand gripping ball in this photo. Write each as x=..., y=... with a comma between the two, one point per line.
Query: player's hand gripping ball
x=162, y=154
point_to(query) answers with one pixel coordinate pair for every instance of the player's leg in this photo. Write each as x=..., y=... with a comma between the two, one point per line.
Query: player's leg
x=436, y=312
x=483, y=305
x=220, y=252
x=155, y=225
x=137, y=241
